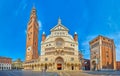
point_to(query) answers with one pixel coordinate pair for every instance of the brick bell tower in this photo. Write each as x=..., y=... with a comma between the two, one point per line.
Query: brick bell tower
x=32, y=37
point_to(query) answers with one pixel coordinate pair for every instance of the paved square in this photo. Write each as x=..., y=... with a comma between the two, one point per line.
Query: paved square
x=60, y=73
x=27, y=73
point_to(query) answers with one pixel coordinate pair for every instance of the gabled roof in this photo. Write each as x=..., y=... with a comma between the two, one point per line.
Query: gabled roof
x=59, y=27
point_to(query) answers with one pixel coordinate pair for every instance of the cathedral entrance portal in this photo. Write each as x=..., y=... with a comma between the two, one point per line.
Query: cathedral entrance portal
x=59, y=63
x=59, y=66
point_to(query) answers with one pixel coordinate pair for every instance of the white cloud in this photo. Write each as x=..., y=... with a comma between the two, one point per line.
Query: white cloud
x=85, y=46
x=89, y=38
x=40, y=25
x=25, y=5
x=25, y=31
x=21, y=7
x=111, y=23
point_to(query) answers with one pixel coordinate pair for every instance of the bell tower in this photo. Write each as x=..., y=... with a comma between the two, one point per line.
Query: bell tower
x=32, y=37
x=75, y=36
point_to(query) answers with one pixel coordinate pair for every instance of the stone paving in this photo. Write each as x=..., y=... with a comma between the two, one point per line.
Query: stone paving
x=95, y=73
x=60, y=73
x=27, y=73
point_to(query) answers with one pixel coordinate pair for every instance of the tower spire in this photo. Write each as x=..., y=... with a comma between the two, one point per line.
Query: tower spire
x=43, y=36
x=33, y=16
x=33, y=9
x=59, y=20
x=75, y=36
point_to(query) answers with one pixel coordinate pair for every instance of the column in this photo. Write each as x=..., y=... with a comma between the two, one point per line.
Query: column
x=40, y=68
x=51, y=66
x=10, y=66
x=55, y=68
x=3, y=66
x=75, y=66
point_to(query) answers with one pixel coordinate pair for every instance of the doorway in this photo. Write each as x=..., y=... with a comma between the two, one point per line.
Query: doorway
x=94, y=65
x=59, y=63
x=59, y=66
x=72, y=67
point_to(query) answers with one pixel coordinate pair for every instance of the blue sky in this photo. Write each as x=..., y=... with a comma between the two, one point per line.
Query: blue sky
x=89, y=18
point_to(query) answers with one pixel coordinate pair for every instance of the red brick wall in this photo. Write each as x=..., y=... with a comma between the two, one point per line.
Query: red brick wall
x=118, y=65
x=5, y=60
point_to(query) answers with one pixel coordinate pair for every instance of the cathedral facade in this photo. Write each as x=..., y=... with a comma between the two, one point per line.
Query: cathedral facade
x=59, y=50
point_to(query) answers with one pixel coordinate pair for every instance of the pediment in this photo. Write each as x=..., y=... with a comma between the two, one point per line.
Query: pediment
x=59, y=27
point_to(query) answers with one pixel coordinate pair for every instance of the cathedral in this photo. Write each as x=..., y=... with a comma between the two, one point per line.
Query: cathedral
x=59, y=50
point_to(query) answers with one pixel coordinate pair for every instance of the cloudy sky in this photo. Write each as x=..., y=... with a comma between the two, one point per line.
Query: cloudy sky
x=89, y=18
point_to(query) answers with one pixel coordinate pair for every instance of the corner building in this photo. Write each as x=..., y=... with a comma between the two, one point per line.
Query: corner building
x=102, y=54
x=5, y=63
x=59, y=51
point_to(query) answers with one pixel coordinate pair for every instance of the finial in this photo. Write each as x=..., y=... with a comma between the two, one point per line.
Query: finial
x=43, y=33
x=33, y=9
x=75, y=32
x=59, y=20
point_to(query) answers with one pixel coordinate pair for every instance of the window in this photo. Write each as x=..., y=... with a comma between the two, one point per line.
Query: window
x=59, y=33
x=107, y=54
x=35, y=43
x=94, y=57
x=95, y=45
x=30, y=32
x=72, y=59
x=46, y=59
x=29, y=38
x=72, y=45
x=49, y=44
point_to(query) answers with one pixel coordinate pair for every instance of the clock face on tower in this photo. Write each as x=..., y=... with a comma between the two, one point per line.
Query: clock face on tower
x=29, y=48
